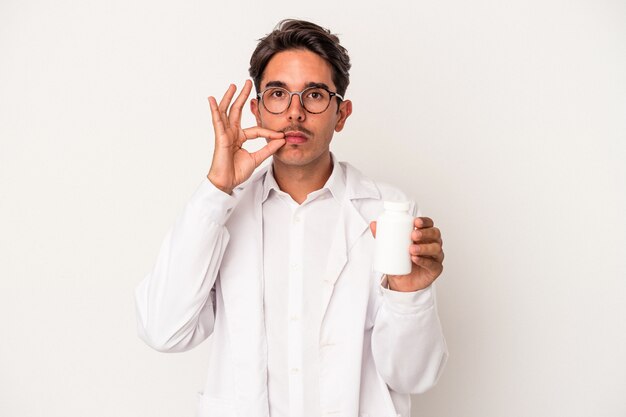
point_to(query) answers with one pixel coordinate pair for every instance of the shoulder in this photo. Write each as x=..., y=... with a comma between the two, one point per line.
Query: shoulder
x=368, y=195
x=359, y=186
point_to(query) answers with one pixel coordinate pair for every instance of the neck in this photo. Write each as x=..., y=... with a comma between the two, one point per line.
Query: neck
x=300, y=181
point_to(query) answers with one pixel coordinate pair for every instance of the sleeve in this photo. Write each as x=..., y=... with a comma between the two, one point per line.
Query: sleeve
x=408, y=345
x=176, y=302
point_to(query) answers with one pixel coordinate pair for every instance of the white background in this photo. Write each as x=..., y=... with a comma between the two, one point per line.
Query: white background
x=506, y=121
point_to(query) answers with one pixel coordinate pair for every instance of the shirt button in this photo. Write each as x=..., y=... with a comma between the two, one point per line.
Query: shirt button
x=295, y=370
x=295, y=267
x=296, y=219
x=294, y=317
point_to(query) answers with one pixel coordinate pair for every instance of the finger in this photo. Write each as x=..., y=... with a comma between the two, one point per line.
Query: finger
x=269, y=149
x=235, y=110
x=373, y=228
x=225, y=102
x=218, y=124
x=426, y=249
x=437, y=258
x=435, y=268
x=261, y=132
x=423, y=222
x=431, y=234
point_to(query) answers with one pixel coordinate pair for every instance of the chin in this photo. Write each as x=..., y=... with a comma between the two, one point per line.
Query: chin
x=291, y=155
x=296, y=156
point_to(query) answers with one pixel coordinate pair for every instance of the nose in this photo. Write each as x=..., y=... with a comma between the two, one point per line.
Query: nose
x=296, y=111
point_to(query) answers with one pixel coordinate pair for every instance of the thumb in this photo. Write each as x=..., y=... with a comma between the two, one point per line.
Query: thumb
x=373, y=228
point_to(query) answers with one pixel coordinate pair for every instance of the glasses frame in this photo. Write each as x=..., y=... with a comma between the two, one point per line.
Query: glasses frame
x=299, y=94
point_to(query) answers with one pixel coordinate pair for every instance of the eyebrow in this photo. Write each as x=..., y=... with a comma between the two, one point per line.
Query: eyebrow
x=307, y=85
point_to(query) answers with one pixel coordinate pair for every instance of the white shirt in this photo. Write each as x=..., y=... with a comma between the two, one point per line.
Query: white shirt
x=296, y=238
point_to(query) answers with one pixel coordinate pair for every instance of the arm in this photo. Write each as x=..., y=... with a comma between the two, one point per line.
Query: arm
x=407, y=341
x=408, y=345
x=176, y=302
x=175, y=310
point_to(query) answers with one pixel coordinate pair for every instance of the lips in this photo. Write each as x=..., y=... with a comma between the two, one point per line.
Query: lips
x=295, y=137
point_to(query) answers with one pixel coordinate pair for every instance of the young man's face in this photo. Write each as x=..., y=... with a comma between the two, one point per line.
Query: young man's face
x=296, y=70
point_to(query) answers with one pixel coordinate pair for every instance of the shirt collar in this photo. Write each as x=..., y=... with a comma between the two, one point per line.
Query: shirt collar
x=336, y=183
x=269, y=183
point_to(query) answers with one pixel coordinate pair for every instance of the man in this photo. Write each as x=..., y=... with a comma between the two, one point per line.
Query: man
x=275, y=266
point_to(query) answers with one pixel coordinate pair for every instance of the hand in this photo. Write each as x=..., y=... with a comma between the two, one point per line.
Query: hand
x=426, y=255
x=232, y=164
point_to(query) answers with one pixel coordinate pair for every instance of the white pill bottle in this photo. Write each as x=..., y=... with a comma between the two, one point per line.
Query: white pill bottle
x=393, y=238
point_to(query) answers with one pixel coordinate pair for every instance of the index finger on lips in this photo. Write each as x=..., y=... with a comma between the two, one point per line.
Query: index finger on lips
x=423, y=222
x=235, y=111
x=260, y=132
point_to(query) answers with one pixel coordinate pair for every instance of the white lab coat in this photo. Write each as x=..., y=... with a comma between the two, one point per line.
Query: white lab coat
x=376, y=346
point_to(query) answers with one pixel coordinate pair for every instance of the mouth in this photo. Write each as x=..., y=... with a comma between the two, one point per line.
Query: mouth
x=295, y=137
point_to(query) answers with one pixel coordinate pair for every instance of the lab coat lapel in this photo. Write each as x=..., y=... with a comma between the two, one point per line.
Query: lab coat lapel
x=350, y=226
x=243, y=292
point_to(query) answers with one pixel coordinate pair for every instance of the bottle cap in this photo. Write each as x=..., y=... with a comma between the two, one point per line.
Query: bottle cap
x=397, y=205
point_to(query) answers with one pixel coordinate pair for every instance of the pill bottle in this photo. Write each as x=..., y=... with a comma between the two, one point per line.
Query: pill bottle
x=393, y=238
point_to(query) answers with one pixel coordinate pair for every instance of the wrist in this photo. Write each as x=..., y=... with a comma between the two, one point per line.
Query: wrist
x=403, y=284
x=218, y=186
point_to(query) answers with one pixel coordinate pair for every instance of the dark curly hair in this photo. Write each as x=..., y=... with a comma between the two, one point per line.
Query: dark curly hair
x=300, y=34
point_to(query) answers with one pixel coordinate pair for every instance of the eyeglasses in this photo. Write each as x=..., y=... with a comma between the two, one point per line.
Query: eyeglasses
x=314, y=99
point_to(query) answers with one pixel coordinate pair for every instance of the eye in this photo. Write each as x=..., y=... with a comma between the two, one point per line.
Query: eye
x=315, y=95
x=277, y=94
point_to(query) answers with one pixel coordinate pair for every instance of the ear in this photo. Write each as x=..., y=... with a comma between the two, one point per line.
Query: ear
x=345, y=110
x=254, y=108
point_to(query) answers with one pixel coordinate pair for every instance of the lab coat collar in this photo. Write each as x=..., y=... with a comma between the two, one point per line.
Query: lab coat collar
x=357, y=186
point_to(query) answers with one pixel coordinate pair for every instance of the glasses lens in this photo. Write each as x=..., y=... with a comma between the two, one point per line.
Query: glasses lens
x=276, y=99
x=315, y=99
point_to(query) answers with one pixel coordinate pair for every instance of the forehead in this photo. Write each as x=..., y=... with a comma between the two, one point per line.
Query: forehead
x=297, y=68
